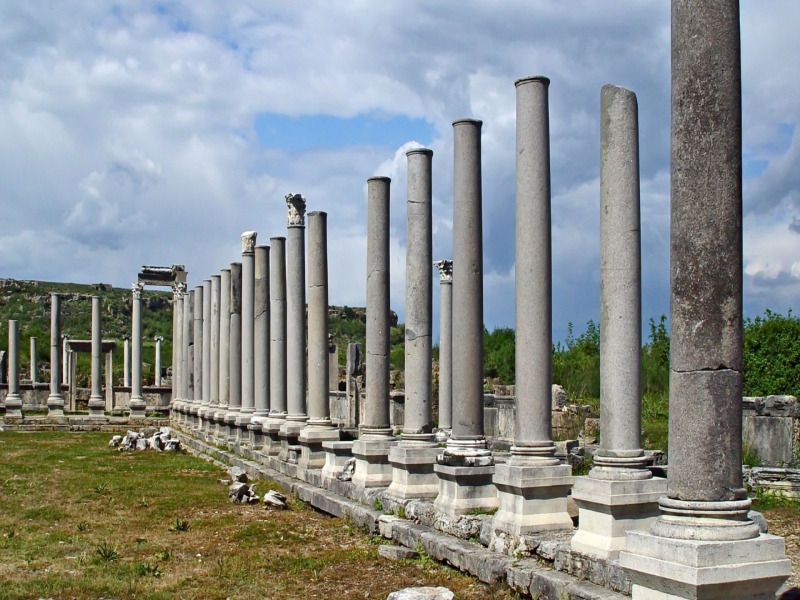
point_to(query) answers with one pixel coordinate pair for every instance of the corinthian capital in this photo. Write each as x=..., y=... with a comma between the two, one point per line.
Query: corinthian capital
x=249, y=242
x=445, y=270
x=178, y=290
x=297, y=209
x=137, y=289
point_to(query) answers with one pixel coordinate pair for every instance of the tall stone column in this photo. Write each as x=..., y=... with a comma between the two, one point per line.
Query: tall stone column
x=64, y=359
x=213, y=405
x=205, y=403
x=318, y=428
x=158, y=368
x=97, y=403
x=277, y=347
x=295, y=325
x=178, y=370
x=704, y=544
x=248, y=330
x=466, y=467
x=55, y=402
x=371, y=450
x=197, y=354
x=137, y=403
x=413, y=458
x=34, y=362
x=220, y=433
x=532, y=486
x=187, y=381
x=445, y=349
x=620, y=494
x=126, y=361
x=234, y=355
x=261, y=336
x=13, y=399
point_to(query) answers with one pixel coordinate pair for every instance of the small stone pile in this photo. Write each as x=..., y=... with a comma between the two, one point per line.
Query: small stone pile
x=241, y=493
x=155, y=439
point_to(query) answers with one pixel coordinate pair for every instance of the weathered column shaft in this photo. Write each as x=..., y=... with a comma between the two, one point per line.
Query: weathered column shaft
x=13, y=358
x=126, y=362
x=159, y=366
x=187, y=381
x=376, y=410
x=34, y=361
x=137, y=405
x=215, y=329
x=318, y=364
x=533, y=273
x=177, y=345
x=224, y=340
x=277, y=316
x=206, y=355
x=296, y=318
x=261, y=340
x=248, y=317
x=467, y=285
x=235, y=344
x=445, y=344
x=97, y=353
x=198, y=343
x=419, y=296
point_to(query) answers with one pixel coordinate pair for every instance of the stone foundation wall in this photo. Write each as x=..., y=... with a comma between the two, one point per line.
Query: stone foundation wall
x=34, y=398
x=771, y=429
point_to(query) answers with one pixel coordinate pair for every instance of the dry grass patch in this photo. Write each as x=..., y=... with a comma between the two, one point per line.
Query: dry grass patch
x=81, y=520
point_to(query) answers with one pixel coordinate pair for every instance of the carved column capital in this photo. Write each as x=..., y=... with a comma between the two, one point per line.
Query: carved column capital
x=297, y=209
x=249, y=242
x=445, y=270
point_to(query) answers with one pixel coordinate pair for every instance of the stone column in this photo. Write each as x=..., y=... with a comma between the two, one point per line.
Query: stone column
x=277, y=349
x=295, y=326
x=137, y=403
x=109, y=391
x=205, y=403
x=532, y=486
x=157, y=375
x=248, y=324
x=187, y=381
x=213, y=405
x=13, y=399
x=220, y=433
x=319, y=428
x=178, y=371
x=197, y=354
x=445, y=349
x=704, y=544
x=466, y=467
x=64, y=359
x=234, y=355
x=34, y=362
x=413, y=458
x=97, y=403
x=126, y=361
x=371, y=450
x=261, y=336
x=620, y=493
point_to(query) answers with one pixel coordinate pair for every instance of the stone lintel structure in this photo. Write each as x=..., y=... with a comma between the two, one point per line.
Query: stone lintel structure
x=233, y=432
x=261, y=337
x=137, y=404
x=97, y=403
x=277, y=346
x=220, y=433
x=248, y=347
x=445, y=268
x=533, y=486
x=704, y=545
x=371, y=450
x=619, y=494
x=197, y=354
x=466, y=467
x=205, y=357
x=318, y=429
x=213, y=405
x=295, y=327
x=412, y=459
x=13, y=399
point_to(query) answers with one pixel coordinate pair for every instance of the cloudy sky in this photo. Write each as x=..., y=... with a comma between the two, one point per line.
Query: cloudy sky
x=144, y=132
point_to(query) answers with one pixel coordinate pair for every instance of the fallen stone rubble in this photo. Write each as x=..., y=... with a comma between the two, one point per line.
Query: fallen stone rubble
x=241, y=493
x=149, y=437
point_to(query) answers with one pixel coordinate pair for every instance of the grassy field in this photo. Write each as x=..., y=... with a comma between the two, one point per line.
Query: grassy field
x=81, y=520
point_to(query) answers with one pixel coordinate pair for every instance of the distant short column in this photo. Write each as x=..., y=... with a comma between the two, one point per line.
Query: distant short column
x=97, y=403
x=197, y=353
x=13, y=399
x=126, y=361
x=34, y=362
x=137, y=403
x=55, y=402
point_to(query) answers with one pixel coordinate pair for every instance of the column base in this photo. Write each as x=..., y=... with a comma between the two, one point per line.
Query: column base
x=677, y=569
x=55, y=406
x=312, y=454
x=372, y=462
x=137, y=408
x=255, y=436
x=412, y=471
x=336, y=456
x=14, y=406
x=232, y=432
x=290, y=448
x=442, y=435
x=463, y=490
x=532, y=498
x=607, y=509
x=272, y=439
x=97, y=407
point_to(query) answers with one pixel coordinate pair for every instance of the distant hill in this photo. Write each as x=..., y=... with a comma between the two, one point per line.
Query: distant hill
x=29, y=303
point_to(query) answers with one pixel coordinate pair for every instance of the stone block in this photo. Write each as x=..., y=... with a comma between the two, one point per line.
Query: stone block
x=372, y=463
x=412, y=472
x=312, y=454
x=465, y=489
x=397, y=552
x=336, y=456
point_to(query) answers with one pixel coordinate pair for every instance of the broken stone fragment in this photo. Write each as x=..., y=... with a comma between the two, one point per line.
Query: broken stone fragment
x=346, y=474
x=397, y=552
x=238, y=474
x=273, y=501
x=422, y=593
x=115, y=441
x=141, y=444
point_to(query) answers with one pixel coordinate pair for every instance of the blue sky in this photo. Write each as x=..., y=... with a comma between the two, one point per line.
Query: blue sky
x=156, y=132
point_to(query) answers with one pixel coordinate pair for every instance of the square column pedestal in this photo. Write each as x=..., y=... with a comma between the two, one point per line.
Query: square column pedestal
x=532, y=498
x=673, y=569
x=463, y=489
x=243, y=435
x=372, y=462
x=232, y=432
x=312, y=454
x=290, y=448
x=412, y=471
x=272, y=438
x=607, y=509
x=255, y=435
x=336, y=456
